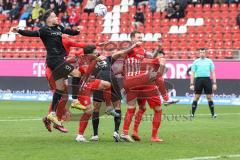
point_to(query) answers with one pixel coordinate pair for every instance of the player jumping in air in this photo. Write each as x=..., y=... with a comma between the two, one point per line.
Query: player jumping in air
x=51, y=36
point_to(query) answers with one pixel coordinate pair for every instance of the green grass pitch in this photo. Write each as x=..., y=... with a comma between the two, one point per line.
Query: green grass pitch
x=23, y=136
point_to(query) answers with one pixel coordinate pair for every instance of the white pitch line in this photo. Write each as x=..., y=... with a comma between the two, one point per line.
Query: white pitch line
x=15, y=119
x=211, y=157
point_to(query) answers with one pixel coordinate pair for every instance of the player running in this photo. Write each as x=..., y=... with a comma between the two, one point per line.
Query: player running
x=51, y=36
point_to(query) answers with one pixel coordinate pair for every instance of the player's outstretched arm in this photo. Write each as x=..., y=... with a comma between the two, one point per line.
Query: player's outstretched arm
x=25, y=32
x=123, y=53
x=71, y=32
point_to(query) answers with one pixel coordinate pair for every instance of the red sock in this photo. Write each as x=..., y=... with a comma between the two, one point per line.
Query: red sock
x=61, y=109
x=127, y=120
x=107, y=93
x=138, y=119
x=83, y=122
x=162, y=88
x=156, y=122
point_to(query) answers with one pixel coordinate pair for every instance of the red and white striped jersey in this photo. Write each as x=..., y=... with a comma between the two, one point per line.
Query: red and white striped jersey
x=133, y=62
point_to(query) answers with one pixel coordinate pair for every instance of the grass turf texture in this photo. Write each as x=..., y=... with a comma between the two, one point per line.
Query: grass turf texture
x=23, y=139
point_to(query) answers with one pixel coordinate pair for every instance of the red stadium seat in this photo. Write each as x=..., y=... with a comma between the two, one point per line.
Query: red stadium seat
x=198, y=14
x=190, y=7
x=183, y=45
x=227, y=37
x=227, y=29
x=236, y=37
x=182, y=21
x=235, y=29
x=206, y=7
x=232, y=7
x=174, y=22
x=198, y=7
x=228, y=54
x=215, y=7
x=183, y=37
x=208, y=29
x=157, y=15
x=108, y=2
x=92, y=16
x=200, y=37
x=173, y=37
x=216, y=22
x=218, y=29
x=201, y=44
x=207, y=21
x=207, y=14
x=228, y=45
x=210, y=45
x=219, y=45
x=219, y=54
x=157, y=29
x=124, y=30
x=218, y=37
x=148, y=29
x=191, y=29
x=91, y=30
x=225, y=14
x=165, y=22
x=91, y=22
x=211, y=54
x=209, y=36
x=191, y=37
x=224, y=7
x=165, y=29
x=166, y=45
x=236, y=45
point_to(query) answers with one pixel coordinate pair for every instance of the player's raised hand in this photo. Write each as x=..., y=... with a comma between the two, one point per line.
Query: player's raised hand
x=14, y=29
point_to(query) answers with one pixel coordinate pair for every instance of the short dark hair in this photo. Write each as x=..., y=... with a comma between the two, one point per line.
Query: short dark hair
x=47, y=14
x=133, y=33
x=89, y=49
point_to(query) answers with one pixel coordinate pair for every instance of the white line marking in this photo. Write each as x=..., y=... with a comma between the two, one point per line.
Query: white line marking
x=211, y=157
x=15, y=119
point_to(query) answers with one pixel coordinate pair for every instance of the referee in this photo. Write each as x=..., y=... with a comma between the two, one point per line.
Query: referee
x=202, y=69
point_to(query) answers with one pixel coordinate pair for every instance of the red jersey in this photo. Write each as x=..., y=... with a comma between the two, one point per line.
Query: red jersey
x=133, y=62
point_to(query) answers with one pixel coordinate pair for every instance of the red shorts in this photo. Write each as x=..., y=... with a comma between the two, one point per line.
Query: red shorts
x=145, y=93
x=85, y=94
x=153, y=102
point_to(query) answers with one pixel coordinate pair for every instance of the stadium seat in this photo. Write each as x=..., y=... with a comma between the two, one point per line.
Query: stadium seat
x=219, y=54
x=116, y=9
x=215, y=7
x=124, y=9
x=236, y=37
x=191, y=22
x=227, y=29
x=115, y=29
x=156, y=15
x=107, y=23
x=232, y=7
x=210, y=45
x=148, y=37
x=191, y=29
x=198, y=7
x=218, y=37
x=206, y=7
x=182, y=21
x=235, y=29
x=190, y=7
x=165, y=22
x=114, y=37
x=182, y=29
x=165, y=29
x=116, y=15
x=156, y=36
x=219, y=45
x=124, y=37
x=224, y=7
x=173, y=29
x=207, y=21
x=228, y=45
x=228, y=54
x=116, y=22
x=107, y=29
x=108, y=16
